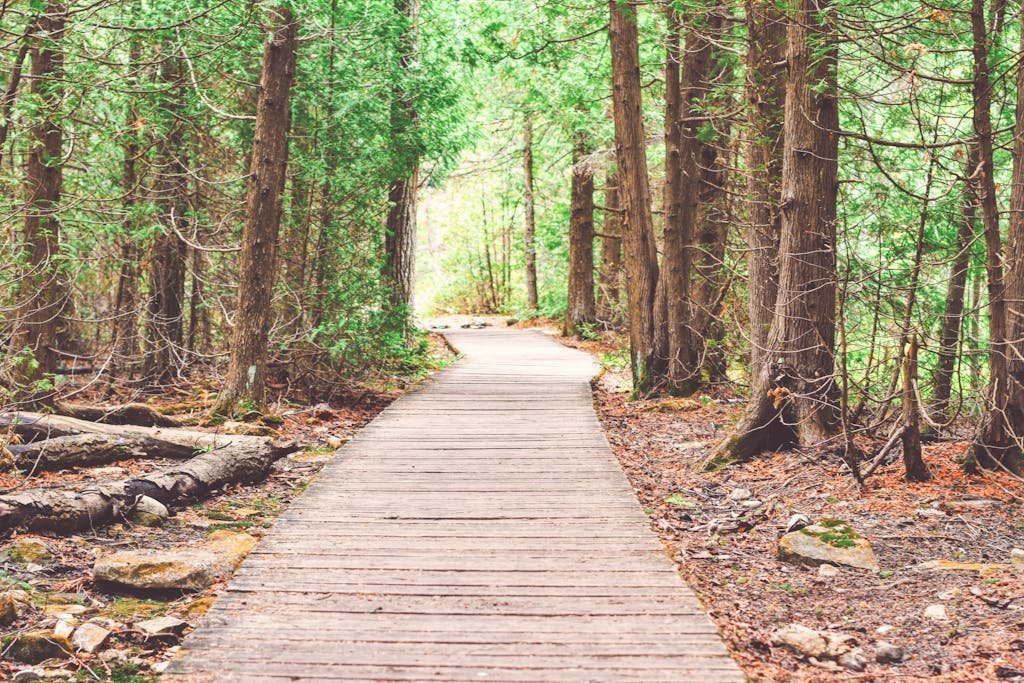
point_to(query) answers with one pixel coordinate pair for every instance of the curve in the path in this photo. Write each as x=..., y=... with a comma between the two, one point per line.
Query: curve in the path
x=480, y=529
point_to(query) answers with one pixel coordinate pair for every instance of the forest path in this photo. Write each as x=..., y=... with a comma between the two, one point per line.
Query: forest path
x=480, y=529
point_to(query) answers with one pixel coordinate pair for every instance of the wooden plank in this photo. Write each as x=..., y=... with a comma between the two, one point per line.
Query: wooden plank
x=478, y=529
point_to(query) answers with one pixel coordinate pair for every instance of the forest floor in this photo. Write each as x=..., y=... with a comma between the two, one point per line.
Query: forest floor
x=61, y=581
x=728, y=551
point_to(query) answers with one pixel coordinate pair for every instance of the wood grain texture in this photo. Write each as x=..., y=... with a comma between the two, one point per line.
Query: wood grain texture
x=479, y=529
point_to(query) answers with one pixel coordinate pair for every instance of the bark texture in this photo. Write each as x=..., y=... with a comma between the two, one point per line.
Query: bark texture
x=581, y=308
x=164, y=329
x=609, y=282
x=400, y=241
x=794, y=397
x=1001, y=433
x=765, y=94
x=953, y=311
x=258, y=262
x=641, y=259
x=43, y=293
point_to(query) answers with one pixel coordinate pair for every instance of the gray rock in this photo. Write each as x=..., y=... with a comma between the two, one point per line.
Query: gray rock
x=828, y=542
x=887, y=653
x=885, y=629
x=936, y=612
x=739, y=494
x=798, y=522
x=150, y=512
x=1017, y=557
x=182, y=568
x=854, y=660
x=751, y=503
x=90, y=637
x=828, y=571
x=812, y=643
x=28, y=675
x=65, y=625
x=162, y=626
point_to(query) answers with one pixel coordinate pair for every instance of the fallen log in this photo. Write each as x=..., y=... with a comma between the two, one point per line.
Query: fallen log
x=88, y=450
x=39, y=426
x=64, y=511
x=138, y=414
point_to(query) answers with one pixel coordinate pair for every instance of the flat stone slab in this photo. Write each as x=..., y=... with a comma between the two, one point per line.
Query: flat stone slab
x=480, y=529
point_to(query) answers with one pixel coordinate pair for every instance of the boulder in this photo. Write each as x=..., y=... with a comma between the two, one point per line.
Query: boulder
x=830, y=541
x=90, y=637
x=29, y=551
x=8, y=609
x=150, y=512
x=182, y=568
x=812, y=643
x=33, y=647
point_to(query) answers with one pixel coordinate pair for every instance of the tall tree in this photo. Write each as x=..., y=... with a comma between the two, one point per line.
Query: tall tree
x=530, y=225
x=953, y=310
x=794, y=397
x=43, y=293
x=641, y=260
x=765, y=95
x=400, y=241
x=581, y=308
x=1000, y=437
x=165, y=308
x=258, y=266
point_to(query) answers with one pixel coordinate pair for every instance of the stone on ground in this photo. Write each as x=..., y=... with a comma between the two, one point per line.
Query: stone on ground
x=181, y=568
x=828, y=542
x=887, y=653
x=812, y=643
x=90, y=637
x=29, y=551
x=161, y=626
x=33, y=647
x=150, y=512
x=8, y=608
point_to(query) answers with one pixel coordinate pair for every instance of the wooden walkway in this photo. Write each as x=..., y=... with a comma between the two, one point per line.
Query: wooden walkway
x=479, y=529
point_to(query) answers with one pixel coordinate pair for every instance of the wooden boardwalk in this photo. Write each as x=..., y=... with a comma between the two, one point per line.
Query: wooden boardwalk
x=479, y=529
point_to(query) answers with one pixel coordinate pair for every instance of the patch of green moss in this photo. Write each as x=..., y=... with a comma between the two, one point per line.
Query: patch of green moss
x=839, y=534
x=129, y=608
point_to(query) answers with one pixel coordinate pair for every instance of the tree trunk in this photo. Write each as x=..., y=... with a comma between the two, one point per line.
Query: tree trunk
x=124, y=334
x=164, y=324
x=609, y=284
x=641, y=259
x=794, y=398
x=43, y=293
x=234, y=460
x=913, y=464
x=581, y=308
x=953, y=312
x=714, y=212
x=258, y=264
x=400, y=241
x=998, y=443
x=90, y=450
x=765, y=94
x=992, y=443
x=682, y=185
x=530, y=225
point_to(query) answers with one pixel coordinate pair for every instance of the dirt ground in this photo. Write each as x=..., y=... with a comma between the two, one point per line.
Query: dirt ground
x=728, y=552
x=64, y=582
